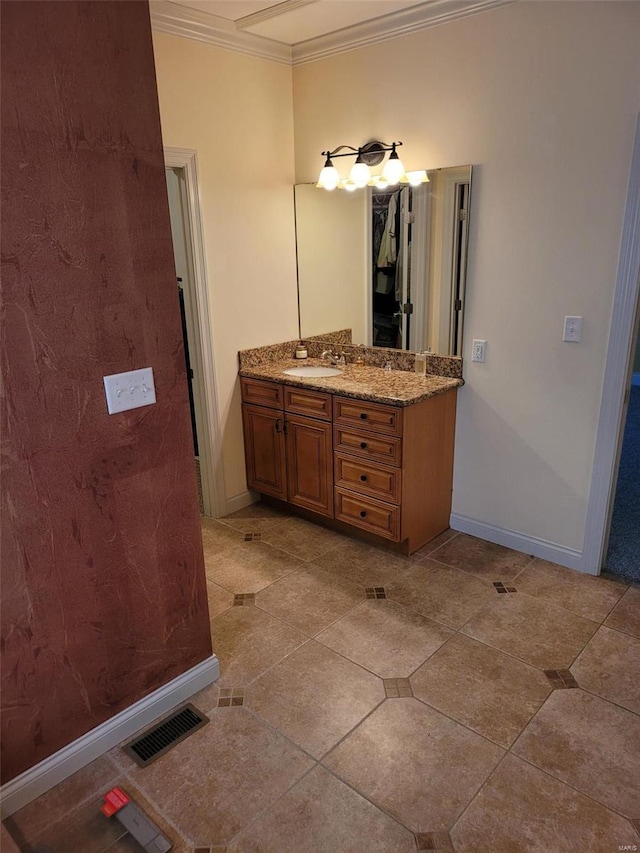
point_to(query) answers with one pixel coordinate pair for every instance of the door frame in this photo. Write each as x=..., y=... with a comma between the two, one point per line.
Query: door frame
x=209, y=432
x=610, y=426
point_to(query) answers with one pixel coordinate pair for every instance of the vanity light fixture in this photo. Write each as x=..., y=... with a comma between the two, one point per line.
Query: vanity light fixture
x=370, y=154
x=394, y=167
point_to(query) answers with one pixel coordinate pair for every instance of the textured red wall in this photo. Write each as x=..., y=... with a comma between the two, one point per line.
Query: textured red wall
x=103, y=585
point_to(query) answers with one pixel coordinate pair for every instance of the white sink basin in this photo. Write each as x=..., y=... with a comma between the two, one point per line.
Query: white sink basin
x=312, y=371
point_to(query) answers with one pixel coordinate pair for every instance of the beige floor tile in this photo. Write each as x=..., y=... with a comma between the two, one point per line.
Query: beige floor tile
x=610, y=667
x=315, y=697
x=207, y=698
x=217, y=537
x=309, y=599
x=585, y=595
x=432, y=546
x=363, y=564
x=88, y=783
x=220, y=599
x=625, y=616
x=84, y=829
x=322, y=815
x=523, y=810
x=534, y=631
x=492, y=693
x=440, y=592
x=385, y=637
x=590, y=744
x=250, y=566
x=415, y=763
x=249, y=641
x=489, y=561
x=254, y=518
x=216, y=781
x=301, y=538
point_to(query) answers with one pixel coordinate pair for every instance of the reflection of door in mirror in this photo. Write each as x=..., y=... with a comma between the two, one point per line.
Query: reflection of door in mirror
x=389, y=264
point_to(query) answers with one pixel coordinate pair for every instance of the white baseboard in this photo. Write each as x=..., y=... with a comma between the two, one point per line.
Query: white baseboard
x=635, y=378
x=240, y=501
x=34, y=782
x=519, y=542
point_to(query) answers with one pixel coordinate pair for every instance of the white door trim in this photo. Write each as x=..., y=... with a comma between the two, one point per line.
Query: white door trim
x=615, y=375
x=209, y=433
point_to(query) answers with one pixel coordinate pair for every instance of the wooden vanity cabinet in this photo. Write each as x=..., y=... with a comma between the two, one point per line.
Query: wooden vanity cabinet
x=384, y=469
x=288, y=455
x=393, y=467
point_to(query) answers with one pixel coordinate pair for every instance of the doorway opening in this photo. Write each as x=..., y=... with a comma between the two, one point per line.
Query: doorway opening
x=192, y=295
x=622, y=556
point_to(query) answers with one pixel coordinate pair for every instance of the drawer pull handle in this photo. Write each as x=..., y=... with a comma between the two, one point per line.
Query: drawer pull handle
x=363, y=477
x=278, y=425
x=363, y=513
x=363, y=445
x=363, y=415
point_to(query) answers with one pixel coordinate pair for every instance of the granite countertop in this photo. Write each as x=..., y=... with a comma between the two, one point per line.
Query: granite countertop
x=396, y=387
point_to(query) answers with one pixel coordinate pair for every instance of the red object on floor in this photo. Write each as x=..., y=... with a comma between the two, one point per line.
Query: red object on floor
x=114, y=800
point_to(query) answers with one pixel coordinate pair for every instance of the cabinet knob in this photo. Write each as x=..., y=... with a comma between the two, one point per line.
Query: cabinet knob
x=363, y=415
x=363, y=445
x=363, y=477
x=362, y=513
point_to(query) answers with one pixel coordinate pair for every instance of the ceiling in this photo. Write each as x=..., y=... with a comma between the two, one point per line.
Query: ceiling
x=297, y=31
x=295, y=21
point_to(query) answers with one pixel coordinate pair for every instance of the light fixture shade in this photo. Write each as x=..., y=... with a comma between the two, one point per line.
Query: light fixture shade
x=329, y=176
x=378, y=182
x=418, y=177
x=349, y=185
x=360, y=173
x=393, y=168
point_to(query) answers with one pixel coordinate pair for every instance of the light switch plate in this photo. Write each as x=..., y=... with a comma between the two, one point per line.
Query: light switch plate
x=129, y=390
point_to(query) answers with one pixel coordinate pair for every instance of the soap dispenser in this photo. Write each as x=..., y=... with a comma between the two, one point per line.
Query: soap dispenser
x=421, y=363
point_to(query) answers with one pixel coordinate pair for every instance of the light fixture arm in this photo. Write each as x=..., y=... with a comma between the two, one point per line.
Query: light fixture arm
x=372, y=152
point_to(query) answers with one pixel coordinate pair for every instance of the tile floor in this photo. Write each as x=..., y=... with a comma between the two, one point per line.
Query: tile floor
x=468, y=699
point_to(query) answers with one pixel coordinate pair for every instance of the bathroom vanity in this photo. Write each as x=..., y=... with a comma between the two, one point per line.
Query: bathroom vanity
x=369, y=449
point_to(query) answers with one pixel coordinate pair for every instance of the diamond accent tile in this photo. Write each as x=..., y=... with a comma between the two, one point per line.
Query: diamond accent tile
x=375, y=592
x=397, y=688
x=561, y=679
x=243, y=598
x=231, y=697
x=438, y=842
x=500, y=587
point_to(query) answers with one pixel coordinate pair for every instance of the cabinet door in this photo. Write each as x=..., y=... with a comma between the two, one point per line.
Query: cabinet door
x=265, y=451
x=310, y=464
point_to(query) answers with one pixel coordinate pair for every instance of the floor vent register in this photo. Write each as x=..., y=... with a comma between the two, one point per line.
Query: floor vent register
x=165, y=735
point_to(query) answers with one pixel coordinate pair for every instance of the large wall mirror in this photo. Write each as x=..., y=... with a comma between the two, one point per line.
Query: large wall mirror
x=389, y=264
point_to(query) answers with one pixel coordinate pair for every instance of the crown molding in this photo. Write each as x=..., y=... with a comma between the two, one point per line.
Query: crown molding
x=431, y=14
x=271, y=12
x=192, y=24
x=177, y=20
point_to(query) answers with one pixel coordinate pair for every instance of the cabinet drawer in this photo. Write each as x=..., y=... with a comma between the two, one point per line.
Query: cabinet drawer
x=371, y=416
x=260, y=392
x=378, y=448
x=367, y=513
x=377, y=481
x=315, y=404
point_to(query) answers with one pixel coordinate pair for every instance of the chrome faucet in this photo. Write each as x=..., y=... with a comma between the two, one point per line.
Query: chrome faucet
x=330, y=356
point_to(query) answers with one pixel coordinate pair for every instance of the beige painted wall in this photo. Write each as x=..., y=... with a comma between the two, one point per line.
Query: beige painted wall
x=236, y=112
x=541, y=98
